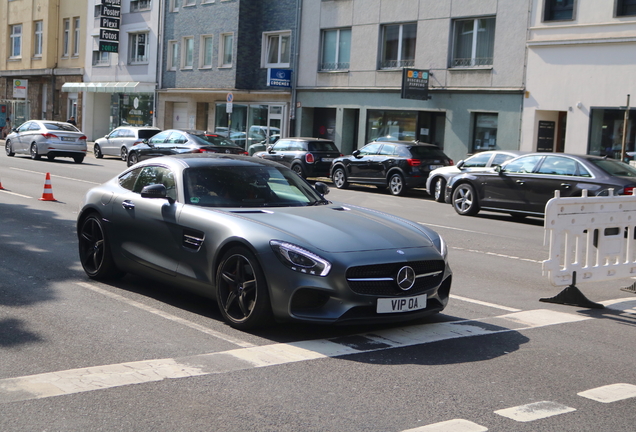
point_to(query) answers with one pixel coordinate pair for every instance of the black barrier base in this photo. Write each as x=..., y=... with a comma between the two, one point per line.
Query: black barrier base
x=630, y=289
x=574, y=297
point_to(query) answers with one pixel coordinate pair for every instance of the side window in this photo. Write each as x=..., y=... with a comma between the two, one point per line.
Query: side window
x=370, y=149
x=556, y=165
x=176, y=138
x=522, y=165
x=281, y=146
x=387, y=149
x=114, y=134
x=159, y=138
x=156, y=175
x=477, y=161
x=127, y=180
x=34, y=126
x=499, y=159
x=24, y=127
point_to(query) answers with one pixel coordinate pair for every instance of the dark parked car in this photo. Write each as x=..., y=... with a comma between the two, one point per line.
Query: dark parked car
x=438, y=178
x=398, y=165
x=119, y=141
x=262, y=241
x=522, y=186
x=309, y=157
x=172, y=141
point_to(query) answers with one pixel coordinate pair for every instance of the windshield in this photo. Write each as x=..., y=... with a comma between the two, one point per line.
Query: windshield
x=322, y=146
x=254, y=187
x=614, y=167
x=217, y=140
x=61, y=127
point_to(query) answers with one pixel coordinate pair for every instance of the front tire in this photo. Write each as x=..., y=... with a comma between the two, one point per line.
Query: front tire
x=97, y=151
x=396, y=184
x=132, y=158
x=465, y=200
x=123, y=153
x=241, y=290
x=9, y=149
x=95, y=250
x=339, y=178
x=438, y=189
x=34, y=152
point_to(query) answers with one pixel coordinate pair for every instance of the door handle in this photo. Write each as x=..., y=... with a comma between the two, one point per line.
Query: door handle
x=520, y=182
x=128, y=205
x=566, y=185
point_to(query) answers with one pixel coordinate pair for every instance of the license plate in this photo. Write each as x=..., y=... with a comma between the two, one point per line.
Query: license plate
x=327, y=159
x=432, y=167
x=68, y=139
x=402, y=304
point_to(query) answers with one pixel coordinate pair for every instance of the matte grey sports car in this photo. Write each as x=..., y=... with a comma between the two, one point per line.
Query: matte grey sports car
x=262, y=241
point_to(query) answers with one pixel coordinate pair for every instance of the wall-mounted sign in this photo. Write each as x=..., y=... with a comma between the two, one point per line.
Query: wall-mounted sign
x=106, y=46
x=545, y=136
x=415, y=84
x=20, y=88
x=109, y=35
x=279, y=77
x=109, y=23
x=112, y=2
x=110, y=11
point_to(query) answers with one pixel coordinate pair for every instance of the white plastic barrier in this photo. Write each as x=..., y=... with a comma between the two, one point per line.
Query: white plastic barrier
x=591, y=239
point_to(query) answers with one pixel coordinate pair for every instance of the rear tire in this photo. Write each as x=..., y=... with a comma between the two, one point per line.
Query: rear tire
x=339, y=178
x=132, y=158
x=298, y=169
x=9, y=149
x=95, y=250
x=241, y=290
x=98, y=152
x=396, y=184
x=465, y=200
x=439, y=185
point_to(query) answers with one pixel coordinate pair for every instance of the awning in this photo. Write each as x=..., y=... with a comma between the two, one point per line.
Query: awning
x=109, y=87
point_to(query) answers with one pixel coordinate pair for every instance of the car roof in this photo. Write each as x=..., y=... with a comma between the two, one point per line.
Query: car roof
x=193, y=160
x=137, y=127
x=405, y=143
x=306, y=139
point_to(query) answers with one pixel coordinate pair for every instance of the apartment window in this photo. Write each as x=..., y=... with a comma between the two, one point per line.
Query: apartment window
x=189, y=2
x=101, y=58
x=336, y=49
x=558, y=10
x=625, y=7
x=76, y=36
x=398, y=46
x=138, y=48
x=139, y=5
x=207, y=1
x=188, y=53
x=226, y=48
x=474, y=42
x=66, y=37
x=205, y=52
x=173, y=53
x=485, y=132
x=37, y=38
x=175, y=5
x=277, y=49
x=16, y=40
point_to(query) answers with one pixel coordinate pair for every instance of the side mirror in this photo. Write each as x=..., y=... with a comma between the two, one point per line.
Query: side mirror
x=460, y=164
x=156, y=191
x=270, y=149
x=321, y=188
x=498, y=169
x=356, y=153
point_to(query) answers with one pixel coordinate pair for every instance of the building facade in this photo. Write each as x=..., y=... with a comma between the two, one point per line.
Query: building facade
x=118, y=88
x=217, y=55
x=352, y=53
x=43, y=48
x=581, y=58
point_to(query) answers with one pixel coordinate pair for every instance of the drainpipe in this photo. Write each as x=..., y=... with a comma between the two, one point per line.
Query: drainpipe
x=159, y=73
x=292, y=108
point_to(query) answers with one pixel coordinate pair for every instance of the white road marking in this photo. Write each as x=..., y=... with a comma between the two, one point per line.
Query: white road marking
x=498, y=255
x=610, y=393
x=167, y=316
x=492, y=305
x=55, y=175
x=13, y=193
x=455, y=425
x=625, y=305
x=99, y=377
x=454, y=228
x=534, y=411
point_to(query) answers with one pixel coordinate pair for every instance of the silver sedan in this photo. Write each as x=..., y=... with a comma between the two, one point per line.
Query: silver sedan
x=48, y=138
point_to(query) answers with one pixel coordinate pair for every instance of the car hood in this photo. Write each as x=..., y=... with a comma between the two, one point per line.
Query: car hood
x=340, y=228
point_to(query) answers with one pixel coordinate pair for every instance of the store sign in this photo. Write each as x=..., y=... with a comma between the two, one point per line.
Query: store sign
x=109, y=20
x=106, y=46
x=545, y=136
x=109, y=23
x=279, y=77
x=109, y=35
x=415, y=84
x=20, y=88
x=110, y=11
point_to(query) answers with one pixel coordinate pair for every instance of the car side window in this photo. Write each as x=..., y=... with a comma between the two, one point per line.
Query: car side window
x=477, y=161
x=159, y=138
x=522, y=165
x=176, y=138
x=500, y=158
x=387, y=149
x=24, y=127
x=127, y=180
x=151, y=175
x=281, y=146
x=34, y=126
x=370, y=149
x=126, y=133
x=557, y=165
x=114, y=134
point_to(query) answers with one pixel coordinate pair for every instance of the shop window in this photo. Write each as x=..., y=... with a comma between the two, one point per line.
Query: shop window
x=485, y=132
x=336, y=49
x=473, y=42
x=391, y=125
x=398, y=46
x=606, y=133
x=625, y=7
x=558, y=10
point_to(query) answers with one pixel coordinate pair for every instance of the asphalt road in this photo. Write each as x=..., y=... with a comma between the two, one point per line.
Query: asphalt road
x=78, y=355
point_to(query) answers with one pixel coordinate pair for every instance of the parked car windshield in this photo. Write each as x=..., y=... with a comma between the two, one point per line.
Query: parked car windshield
x=322, y=146
x=614, y=167
x=261, y=186
x=216, y=140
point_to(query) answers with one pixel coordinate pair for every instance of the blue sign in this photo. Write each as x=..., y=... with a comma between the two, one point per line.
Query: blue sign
x=279, y=77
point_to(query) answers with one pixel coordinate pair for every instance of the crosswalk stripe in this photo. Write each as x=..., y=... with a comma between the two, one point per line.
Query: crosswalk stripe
x=455, y=425
x=610, y=393
x=534, y=411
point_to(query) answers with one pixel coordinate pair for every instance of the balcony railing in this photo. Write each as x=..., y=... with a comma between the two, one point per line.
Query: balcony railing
x=396, y=64
x=472, y=62
x=334, y=66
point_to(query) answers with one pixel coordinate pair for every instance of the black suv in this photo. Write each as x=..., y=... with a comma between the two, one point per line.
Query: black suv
x=397, y=165
x=309, y=157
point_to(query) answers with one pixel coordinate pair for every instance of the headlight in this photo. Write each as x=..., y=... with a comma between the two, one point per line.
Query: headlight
x=299, y=259
x=441, y=246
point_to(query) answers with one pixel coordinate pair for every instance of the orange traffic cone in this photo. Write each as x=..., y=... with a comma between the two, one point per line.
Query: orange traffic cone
x=1, y=188
x=47, y=195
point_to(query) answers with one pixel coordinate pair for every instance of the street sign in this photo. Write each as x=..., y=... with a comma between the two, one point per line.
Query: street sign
x=109, y=35
x=229, y=98
x=228, y=107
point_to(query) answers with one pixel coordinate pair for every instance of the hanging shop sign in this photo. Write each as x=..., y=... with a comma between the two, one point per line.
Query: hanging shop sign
x=110, y=11
x=415, y=84
x=279, y=77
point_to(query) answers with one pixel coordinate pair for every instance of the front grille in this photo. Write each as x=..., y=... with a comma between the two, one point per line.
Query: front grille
x=364, y=279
